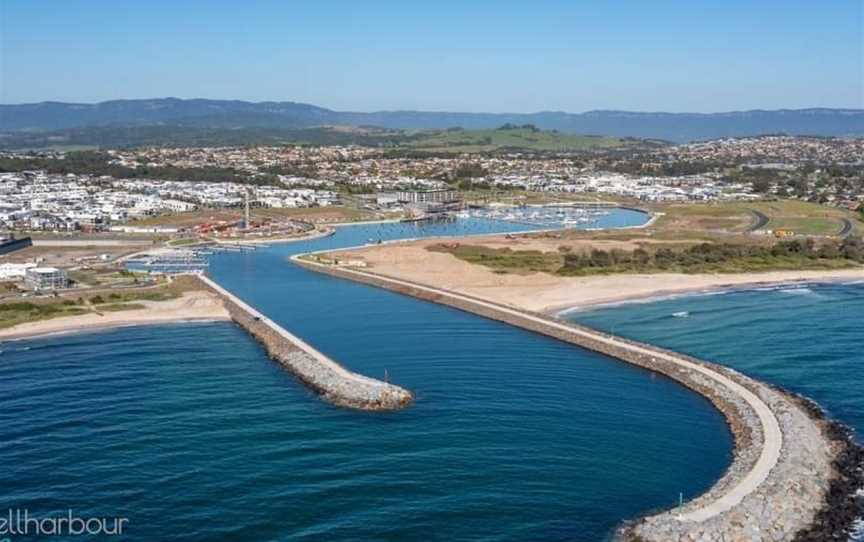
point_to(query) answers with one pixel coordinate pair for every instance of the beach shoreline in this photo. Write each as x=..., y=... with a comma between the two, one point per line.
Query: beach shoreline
x=552, y=294
x=196, y=306
x=780, y=439
x=107, y=326
x=744, y=286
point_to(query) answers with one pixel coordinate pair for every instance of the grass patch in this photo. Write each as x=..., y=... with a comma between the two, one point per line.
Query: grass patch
x=162, y=294
x=12, y=314
x=182, y=242
x=474, y=141
x=801, y=217
x=116, y=307
x=666, y=258
x=504, y=260
x=18, y=312
x=806, y=226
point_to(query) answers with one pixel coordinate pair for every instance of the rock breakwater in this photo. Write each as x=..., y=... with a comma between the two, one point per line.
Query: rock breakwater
x=331, y=380
x=790, y=468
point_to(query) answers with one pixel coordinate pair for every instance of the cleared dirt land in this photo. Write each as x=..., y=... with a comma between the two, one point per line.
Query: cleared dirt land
x=317, y=215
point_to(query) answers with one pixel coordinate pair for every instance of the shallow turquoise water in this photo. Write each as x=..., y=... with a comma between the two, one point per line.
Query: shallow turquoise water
x=193, y=434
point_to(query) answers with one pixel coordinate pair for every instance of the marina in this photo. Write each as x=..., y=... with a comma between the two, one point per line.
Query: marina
x=461, y=384
x=542, y=216
x=432, y=272
x=186, y=260
x=170, y=262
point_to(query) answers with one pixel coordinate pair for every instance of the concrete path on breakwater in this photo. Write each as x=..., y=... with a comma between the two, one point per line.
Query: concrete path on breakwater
x=333, y=381
x=775, y=486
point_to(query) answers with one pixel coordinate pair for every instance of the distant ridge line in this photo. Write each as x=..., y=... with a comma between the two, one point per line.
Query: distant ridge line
x=200, y=113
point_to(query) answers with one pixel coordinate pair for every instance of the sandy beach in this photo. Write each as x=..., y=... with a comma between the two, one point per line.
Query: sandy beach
x=542, y=292
x=192, y=306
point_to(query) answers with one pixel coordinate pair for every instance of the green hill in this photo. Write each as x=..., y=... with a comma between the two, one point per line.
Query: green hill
x=515, y=138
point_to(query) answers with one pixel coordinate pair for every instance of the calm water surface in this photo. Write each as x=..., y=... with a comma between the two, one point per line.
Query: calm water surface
x=193, y=434
x=806, y=338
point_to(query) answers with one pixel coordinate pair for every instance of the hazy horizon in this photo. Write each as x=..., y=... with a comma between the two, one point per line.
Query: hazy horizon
x=496, y=57
x=429, y=110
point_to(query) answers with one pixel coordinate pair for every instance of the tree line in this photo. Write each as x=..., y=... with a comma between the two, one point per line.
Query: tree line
x=712, y=255
x=97, y=163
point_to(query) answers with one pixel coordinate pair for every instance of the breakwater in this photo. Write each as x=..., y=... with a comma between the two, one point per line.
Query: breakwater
x=331, y=380
x=790, y=465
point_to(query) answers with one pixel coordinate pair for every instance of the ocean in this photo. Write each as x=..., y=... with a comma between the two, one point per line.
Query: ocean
x=804, y=337
x=190, y=432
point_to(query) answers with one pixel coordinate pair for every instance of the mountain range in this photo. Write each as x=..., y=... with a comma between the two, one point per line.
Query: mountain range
x=211, y=115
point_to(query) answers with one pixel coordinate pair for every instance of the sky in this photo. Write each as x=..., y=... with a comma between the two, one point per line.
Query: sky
x=443, y=55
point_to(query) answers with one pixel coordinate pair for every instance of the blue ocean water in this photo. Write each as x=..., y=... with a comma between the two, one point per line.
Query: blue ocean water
x=191, y=433
x=805, y=338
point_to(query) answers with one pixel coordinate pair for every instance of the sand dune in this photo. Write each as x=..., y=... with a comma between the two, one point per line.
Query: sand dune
x=548, y=293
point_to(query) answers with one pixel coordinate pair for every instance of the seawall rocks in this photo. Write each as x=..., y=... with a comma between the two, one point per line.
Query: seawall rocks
x=782, y=484
x=334, y=382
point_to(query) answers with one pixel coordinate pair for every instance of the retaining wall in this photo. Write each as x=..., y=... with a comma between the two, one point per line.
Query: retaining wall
x=334, y=382
x=790, y=468
x=15, y=244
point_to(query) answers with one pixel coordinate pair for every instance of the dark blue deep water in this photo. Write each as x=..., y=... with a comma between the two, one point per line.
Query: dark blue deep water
x=806, y=338
x=191, y=433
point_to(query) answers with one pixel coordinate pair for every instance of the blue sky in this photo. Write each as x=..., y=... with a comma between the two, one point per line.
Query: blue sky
x=464, y=55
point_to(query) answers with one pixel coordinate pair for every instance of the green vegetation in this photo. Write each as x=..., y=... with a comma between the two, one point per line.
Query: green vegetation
x=116, y=307
x=309, y=214
x=504, y=260
x=105, y=277
x=112, y=137
x=800, y=217
x=96, y=163
x=510, y=138
x=525, y=137
x=18, y=312
x=810, y=226
x=182, y=242
x=15, y=313
x=697, y=258
x=159, y=294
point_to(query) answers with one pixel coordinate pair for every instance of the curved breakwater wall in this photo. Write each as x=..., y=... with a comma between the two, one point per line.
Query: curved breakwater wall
x=791, y=472
x=334, y=382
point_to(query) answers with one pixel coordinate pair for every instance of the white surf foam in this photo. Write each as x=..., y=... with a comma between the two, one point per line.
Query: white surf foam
x=796, y=291
x=857, y=534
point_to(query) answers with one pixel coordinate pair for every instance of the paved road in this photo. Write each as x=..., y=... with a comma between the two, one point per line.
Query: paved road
x=847, y=227
x=95, y=243
x=761, y=221
x=770, y=453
